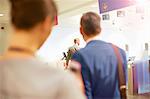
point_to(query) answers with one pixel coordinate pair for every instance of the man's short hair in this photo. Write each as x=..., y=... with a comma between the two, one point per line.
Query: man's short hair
x=25, y=14
x=90, y=22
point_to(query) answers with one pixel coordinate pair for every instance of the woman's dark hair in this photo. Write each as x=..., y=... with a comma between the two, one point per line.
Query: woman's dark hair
x=25, y=14
x=90, y=23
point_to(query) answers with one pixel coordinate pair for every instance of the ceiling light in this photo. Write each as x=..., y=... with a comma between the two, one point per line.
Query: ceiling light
x=1, y=15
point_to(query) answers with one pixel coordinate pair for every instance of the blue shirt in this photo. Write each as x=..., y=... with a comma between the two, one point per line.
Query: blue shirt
x=99, y=69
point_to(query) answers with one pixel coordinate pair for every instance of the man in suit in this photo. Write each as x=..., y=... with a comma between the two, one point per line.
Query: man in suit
x=98, y=61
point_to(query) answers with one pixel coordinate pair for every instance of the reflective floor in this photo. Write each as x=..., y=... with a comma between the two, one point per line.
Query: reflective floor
x=144, y=96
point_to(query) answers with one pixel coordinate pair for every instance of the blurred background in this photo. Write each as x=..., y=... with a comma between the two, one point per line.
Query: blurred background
x=127, y=27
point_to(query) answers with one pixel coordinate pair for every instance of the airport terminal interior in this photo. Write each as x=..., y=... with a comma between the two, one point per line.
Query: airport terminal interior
x=125, y=25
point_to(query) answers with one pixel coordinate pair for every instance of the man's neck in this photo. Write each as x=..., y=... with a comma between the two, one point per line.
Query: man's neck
x=22, y=44
x=92, y=38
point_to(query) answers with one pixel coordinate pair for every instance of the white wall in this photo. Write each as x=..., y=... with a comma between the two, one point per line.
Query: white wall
x=60, y=39
x=131, y=29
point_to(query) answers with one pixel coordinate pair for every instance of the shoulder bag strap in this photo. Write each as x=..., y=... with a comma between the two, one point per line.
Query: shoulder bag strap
x=122, y=82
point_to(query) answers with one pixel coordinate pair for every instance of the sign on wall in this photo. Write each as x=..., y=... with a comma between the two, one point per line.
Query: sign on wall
x=120, y=13
x=109, y=5
x=105, y=17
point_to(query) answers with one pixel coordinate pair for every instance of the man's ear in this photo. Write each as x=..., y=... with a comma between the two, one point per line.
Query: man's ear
x=81, y=30
x=47, y=24
x=45, y=29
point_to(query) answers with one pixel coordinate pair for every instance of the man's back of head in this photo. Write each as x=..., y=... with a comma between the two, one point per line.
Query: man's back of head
x=90, y=24
x=25, y=14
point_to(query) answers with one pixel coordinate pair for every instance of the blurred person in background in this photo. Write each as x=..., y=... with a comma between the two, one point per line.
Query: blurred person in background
x=22, y=76
x=98, y=61
x=72, y=50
